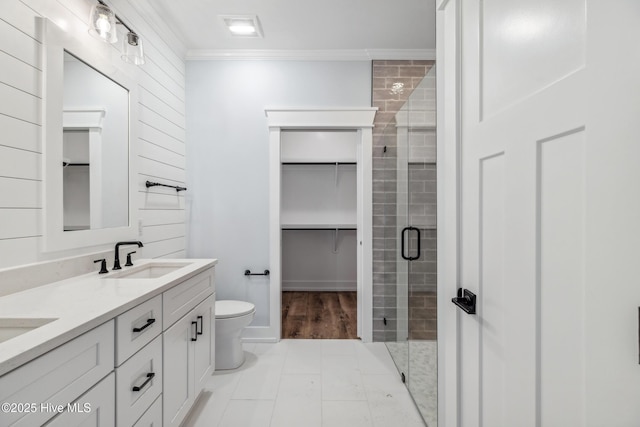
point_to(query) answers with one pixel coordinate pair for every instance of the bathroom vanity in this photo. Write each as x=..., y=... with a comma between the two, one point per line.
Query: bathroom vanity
x=129, y=348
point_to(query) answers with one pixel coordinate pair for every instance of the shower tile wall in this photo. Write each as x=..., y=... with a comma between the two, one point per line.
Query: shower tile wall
x=393, y=83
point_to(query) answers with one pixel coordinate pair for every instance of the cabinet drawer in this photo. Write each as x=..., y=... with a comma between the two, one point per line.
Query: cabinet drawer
x=139, y=383
x=179, y=300
x=137, y=327
x=94, y=408
x=153, y=416
x=59, y=376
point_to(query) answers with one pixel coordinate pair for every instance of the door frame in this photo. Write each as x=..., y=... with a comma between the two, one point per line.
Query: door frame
x=361, y=120
x=448, y=89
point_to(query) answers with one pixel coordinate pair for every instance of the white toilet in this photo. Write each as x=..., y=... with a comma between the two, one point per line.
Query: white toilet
x=231, y=318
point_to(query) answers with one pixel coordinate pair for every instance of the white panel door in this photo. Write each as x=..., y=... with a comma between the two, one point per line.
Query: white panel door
x=549, y=212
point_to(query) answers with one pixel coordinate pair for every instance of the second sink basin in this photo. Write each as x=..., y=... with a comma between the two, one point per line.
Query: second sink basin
x=12, y=327
x=148, y=271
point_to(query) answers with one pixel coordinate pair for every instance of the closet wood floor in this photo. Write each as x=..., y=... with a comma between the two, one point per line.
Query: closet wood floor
x=319, y=315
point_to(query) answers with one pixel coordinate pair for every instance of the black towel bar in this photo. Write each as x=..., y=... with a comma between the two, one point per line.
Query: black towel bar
x=249, y=273
x=154, y=184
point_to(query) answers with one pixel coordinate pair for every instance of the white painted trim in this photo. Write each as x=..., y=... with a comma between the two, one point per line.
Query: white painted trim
x=92, y=52
x=310, y=55
x=365, y=234
x=448, y=146
x=317, y=118
x=441, y=5
x=83, y=119
x=360, y=119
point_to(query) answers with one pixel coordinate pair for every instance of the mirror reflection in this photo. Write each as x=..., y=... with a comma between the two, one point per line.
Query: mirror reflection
x=95, y=149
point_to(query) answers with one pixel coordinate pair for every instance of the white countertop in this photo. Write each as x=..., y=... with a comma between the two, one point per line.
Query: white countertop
x=80, y=304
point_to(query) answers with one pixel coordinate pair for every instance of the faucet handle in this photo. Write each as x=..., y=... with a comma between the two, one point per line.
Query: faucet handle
x=103, y=265
x=129, y=263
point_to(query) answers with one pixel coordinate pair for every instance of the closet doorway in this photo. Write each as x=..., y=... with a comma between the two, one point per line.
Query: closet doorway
x=320, y=222
x=319, y=231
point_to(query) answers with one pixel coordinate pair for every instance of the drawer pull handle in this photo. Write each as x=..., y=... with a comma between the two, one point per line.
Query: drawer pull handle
x=201, y=326
x=195, y=337
x=150, y=376
x=145, y=326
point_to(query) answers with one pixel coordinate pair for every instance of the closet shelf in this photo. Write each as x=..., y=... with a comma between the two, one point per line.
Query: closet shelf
x=318, y=226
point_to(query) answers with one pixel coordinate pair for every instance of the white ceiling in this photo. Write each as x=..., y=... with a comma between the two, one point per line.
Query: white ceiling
x=303, y=25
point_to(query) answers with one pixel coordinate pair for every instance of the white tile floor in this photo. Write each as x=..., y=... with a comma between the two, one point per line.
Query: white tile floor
x=310, y=383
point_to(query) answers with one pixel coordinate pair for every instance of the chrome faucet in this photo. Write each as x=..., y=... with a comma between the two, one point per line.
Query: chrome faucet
x=116, y=262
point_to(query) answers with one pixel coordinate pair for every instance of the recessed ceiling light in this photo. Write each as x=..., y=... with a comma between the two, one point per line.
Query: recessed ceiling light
x=243, y=25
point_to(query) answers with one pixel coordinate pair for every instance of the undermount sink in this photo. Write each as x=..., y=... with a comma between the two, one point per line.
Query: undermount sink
x=148, y=271
x=13, y=327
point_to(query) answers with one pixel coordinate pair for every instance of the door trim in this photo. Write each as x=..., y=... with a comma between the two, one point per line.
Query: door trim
x=448, y=81
x=361, y=120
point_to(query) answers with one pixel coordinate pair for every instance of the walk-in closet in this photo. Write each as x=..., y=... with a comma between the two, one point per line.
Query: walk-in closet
x=317, y=213
x=319, y=251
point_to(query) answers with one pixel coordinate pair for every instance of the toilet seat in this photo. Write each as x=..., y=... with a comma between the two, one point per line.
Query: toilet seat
x=226, y=309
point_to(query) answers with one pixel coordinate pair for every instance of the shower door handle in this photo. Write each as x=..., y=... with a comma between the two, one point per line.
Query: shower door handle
x=402, y=243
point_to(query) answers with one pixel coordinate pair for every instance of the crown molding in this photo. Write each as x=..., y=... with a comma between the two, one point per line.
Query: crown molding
x=310, y=55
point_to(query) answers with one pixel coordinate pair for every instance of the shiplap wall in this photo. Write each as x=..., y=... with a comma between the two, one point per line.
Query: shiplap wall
x=160, y=128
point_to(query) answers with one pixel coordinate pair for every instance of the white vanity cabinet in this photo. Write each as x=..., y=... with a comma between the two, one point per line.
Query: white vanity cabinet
x=95, y=408
x=153, y=416
x=189, y=347
x=139, y=383
x=143, y=367
x=57, y=378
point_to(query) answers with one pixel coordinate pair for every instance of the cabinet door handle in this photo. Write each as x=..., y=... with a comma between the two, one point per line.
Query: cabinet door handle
x=195, y=336
x=201, y=325
x=150, y=376
x=145, y=326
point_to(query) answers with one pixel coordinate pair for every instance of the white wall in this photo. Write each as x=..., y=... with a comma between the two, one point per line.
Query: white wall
x=161, y=128
x=227, y=171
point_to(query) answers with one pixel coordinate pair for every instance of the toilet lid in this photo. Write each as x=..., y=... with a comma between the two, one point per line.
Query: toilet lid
x=231, y=308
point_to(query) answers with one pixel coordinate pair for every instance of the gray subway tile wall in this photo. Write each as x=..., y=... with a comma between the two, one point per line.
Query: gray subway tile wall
x=408, y=77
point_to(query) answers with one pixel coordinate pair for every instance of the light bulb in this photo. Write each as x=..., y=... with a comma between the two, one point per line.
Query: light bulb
x=102, y=23
x=242, y=29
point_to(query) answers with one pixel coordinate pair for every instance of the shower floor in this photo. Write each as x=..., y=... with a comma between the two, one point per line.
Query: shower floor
x=319, y=315
x=418, y=360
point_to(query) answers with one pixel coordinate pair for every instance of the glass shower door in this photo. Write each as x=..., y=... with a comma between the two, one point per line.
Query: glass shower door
x=414, y=349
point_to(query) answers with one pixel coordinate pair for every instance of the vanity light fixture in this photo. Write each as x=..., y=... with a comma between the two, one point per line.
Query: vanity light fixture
x=102, y=24
x=132, y=49
x=243, y=25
